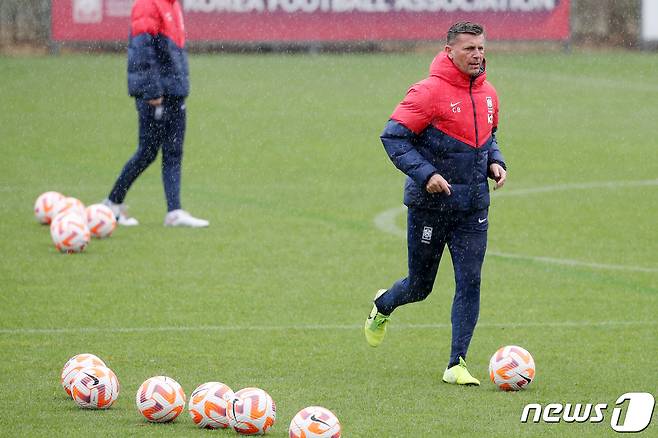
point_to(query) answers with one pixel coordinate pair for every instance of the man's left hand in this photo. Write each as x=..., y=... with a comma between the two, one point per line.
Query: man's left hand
x=499, y=175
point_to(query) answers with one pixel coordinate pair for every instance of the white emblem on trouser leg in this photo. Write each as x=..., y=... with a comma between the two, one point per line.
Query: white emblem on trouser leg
x=427, y=235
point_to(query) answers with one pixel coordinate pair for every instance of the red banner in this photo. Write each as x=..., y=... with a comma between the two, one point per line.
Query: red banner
x=322, y=20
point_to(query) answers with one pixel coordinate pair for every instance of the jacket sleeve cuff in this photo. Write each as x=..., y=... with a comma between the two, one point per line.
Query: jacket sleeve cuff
x=423, y=174
x=430, y=175
x=151, y=95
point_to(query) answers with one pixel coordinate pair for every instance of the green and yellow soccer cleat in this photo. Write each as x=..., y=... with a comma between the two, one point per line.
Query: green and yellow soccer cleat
x=375, y=327
x=459, y=375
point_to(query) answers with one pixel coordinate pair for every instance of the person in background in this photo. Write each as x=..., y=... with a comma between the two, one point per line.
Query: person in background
x=158, y=79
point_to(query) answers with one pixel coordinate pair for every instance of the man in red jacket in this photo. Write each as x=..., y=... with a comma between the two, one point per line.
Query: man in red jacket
x=158, y=80
x=442, y=136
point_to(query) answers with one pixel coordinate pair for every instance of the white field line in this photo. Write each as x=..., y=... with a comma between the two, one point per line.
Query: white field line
x=386, y=221
x=314, y=327
x=570, y=262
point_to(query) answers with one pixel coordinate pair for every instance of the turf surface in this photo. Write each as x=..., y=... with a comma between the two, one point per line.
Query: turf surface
x=283, y=157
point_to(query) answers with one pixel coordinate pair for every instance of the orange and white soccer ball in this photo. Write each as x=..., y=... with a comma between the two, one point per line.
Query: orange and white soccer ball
x=100, y=220
x=160, y=399
x=95, y=388
x=314, y=422
x=208, y=404
x=69, y=205
x=44, y=207
x=251, y=411
x=512, y=368
x=74, y=365
x=69, y=232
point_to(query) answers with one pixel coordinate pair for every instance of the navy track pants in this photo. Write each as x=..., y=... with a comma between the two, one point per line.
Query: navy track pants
x=159, y=127
x=428, y=232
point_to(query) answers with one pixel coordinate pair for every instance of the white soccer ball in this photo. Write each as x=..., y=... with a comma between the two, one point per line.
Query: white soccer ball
x=100, y=220
x=69, y=204
x=95, y=388
x=512, y=368
x=69, y=232
x=208, y=404
x=74, y=365
x=314, y=422
x=160, y=399
x=44, y=207
x=251, y=411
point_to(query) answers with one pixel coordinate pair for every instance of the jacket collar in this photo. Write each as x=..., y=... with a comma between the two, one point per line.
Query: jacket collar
x=443, y=68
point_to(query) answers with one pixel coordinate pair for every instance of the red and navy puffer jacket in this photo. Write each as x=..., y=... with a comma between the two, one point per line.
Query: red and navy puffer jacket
x=446, y=124
x=157, y=58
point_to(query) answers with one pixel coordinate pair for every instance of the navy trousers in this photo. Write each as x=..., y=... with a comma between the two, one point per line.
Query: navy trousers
x=159, y=127
x=428, y=232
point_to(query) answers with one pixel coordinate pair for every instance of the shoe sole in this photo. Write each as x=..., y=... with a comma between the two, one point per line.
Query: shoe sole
x=460, y=384
x=377, y=344
x=379, y=293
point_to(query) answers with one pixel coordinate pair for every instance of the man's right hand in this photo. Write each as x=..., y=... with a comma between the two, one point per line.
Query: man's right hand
x=155, y=102
x=438, y=184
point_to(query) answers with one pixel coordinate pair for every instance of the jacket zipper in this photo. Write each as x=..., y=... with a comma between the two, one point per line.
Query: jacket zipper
x=475, y=118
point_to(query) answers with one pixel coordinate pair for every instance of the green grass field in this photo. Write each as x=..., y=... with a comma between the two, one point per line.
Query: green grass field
x=283, y=156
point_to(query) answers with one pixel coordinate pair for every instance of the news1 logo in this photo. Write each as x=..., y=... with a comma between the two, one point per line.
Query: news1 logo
x=634, y=416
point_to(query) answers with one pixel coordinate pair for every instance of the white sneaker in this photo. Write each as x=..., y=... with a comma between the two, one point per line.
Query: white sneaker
x=181, y=218
x=121, y=213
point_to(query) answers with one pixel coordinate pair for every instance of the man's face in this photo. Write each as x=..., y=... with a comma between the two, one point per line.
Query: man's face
x=467, y=52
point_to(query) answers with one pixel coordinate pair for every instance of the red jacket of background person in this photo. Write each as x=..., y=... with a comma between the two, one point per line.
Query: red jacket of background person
x=158, y=17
